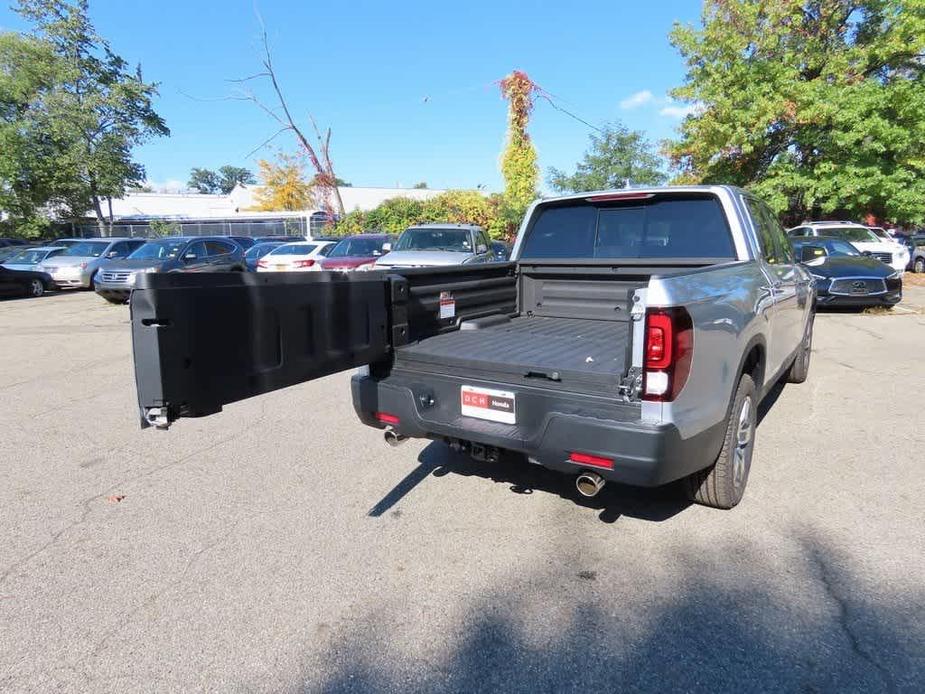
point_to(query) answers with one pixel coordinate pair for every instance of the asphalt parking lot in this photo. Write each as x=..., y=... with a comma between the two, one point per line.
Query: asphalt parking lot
x=281, y=546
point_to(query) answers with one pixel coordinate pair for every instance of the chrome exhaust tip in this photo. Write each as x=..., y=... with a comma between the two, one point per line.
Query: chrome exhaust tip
x=392, y=438
x=589, y=484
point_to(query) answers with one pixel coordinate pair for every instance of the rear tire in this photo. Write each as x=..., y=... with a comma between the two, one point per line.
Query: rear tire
x=799, y=369
x=722, y=485
x=918, y=265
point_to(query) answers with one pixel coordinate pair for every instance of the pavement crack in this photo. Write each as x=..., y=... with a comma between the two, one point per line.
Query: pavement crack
x=844, y=621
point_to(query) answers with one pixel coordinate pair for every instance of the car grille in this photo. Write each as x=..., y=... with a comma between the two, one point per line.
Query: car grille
x=884, y=257
x=116, y=277
x=857, y=286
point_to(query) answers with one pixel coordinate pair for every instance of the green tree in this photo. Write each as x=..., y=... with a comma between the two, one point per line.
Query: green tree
x=95, y=113
x=816, y=105
x=518, y=161
x=615, y=155
x=229, y=176
x=203, y=181
x=420, y=186
x=29, y=177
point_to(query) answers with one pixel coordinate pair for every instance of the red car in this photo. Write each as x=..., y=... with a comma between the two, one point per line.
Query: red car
x=354, y=251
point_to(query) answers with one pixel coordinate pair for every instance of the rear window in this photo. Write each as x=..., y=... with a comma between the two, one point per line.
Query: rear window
x=666, y=227
x=294, y=249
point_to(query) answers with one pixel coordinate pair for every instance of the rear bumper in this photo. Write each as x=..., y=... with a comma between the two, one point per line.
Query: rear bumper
x=645, y=455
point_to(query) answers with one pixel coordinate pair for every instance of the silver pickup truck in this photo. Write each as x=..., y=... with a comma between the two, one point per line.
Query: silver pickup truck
x=631, y=339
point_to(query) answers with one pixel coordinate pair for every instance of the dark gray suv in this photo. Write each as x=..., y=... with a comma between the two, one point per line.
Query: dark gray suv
x=116, y=279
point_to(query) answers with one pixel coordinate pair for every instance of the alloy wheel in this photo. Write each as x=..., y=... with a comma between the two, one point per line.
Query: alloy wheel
x=744, y=439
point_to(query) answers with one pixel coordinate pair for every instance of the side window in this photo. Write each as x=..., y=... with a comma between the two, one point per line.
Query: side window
x=197, y=250
x=762, y=230
x=218, y=248
x=117, y=250
x=482, y=239
x=799, y=231
x=780, y=236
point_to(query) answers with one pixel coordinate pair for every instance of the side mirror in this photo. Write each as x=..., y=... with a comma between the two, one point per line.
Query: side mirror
x=112, y=254
x=376, y=254
x=386, y=247
x=481, y=248
x=866, y=253
x=808, y=253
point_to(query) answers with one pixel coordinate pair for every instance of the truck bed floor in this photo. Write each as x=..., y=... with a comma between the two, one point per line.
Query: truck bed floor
x=587, y=355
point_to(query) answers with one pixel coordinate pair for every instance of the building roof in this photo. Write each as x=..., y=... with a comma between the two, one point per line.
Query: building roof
x=239, y=204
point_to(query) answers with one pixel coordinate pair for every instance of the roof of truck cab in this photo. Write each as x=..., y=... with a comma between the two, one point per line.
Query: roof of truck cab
x=645, y=191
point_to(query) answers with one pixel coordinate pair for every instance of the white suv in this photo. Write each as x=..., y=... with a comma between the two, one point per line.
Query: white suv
x=892, y=253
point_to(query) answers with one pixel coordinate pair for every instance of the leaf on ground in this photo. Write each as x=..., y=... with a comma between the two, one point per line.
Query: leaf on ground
x=115, y=498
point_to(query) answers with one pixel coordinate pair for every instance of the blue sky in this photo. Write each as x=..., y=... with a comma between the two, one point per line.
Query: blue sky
x=409, y=88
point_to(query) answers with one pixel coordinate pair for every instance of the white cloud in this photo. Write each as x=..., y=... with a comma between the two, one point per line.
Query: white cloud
x=636, y=100
x=680, y=110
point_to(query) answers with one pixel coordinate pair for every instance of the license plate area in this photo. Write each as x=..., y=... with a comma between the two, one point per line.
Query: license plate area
x=487, y=403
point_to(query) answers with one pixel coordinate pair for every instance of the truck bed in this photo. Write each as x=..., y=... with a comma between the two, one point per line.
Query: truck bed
x=575, y=354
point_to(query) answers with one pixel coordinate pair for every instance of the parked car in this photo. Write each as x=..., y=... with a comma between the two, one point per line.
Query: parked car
x=500, y=251
x=845, y=277
x=356, y=251
x=916, y=246
x=257, y=251
x=78, y=265
x=23, y=282
x=632, y=339
x=66, y=242
x=6, y=241
x=295, y=257
x=890, y=252
x=279, y=237
x=8, y=252
x=116, y=279
x=427, y=245
x=31, y=258
x=244, y=242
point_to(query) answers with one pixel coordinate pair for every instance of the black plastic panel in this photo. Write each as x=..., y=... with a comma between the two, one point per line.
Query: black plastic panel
x=203, y=341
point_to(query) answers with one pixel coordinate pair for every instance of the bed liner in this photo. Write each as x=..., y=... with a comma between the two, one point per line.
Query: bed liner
x=580, y=354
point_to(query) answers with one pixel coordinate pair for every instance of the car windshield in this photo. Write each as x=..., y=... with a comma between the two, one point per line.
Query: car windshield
x=456, y=240
x=841, y=248
x=86, y=249
x=860, y=234
x=357, y=248
x=158, y=250
x=259, y=250
x=31, y=257
x=676, y=226
x=294, y=249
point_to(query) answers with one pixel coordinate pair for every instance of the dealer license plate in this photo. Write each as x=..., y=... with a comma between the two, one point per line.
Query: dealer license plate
x=485, y=403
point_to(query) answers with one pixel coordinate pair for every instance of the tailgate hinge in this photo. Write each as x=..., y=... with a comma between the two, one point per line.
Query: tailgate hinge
x=638, y=312
x=631, y=386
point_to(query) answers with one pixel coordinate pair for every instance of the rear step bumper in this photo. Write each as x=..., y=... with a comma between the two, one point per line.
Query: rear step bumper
x=644, y=455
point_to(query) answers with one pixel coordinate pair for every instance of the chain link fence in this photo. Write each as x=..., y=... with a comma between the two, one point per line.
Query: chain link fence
x=316, y=224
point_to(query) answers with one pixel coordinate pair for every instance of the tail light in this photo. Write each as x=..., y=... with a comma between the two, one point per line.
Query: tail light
x=304, y=263
x=83, y=266
x=261, y=263
x=668, y=351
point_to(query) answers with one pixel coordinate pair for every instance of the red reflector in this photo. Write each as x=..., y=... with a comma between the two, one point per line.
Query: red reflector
x=261, y=263
x=592, y=460
x=387, y=418
x=304, y=263
x=659, y=339
x=619, y=196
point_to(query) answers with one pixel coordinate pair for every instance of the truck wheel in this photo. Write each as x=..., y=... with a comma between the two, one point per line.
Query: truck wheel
x=919, y=265
x=799, y=369
x=722, y=485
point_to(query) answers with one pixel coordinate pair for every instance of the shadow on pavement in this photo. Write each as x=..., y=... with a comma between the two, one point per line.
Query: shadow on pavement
x=718, y=627
x=613, y=501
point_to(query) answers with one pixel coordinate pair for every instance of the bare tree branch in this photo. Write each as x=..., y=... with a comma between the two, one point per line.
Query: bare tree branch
x=268, y=141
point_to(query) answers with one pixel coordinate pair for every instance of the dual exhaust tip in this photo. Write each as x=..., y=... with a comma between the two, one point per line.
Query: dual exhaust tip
x=587, y=483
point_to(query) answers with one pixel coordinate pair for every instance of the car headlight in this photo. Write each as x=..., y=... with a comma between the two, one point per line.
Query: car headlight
x=149, y=269
x=895, y=276
x=819, y=278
